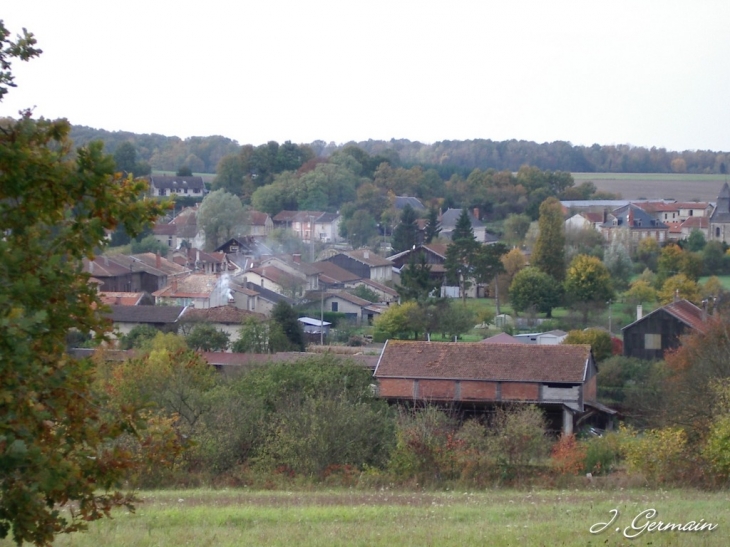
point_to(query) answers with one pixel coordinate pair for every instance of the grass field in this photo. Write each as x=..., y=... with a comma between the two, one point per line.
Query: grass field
x=395, y=518
x=683, y=187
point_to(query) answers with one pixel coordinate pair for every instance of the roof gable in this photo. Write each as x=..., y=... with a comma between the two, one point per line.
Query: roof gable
x=682, y=310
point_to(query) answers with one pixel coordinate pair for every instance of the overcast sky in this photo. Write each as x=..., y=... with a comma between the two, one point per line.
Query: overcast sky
x=612, y=72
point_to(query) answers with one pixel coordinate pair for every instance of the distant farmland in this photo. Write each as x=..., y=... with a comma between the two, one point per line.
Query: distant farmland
x=682, y=187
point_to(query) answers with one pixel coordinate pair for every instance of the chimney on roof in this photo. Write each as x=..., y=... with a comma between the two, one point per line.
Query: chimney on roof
x=476, y=213
x=366, y=255
x=605, y=215
x=91, y=266
x=639, y=312
x=297, y=257
x=158, y=261
x=676, y=294
x=174, y=284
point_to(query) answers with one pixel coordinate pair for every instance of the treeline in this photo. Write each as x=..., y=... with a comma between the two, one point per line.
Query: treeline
x=463, y=156
x=202, y=154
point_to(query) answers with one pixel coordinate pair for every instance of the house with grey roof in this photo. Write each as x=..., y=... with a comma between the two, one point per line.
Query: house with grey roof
x=365, y=264
x=173, y=185
x=163, y=318
x=638, y=222
x=448, y=220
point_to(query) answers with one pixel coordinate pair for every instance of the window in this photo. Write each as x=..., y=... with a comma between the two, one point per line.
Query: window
x=335, y=306
x=652, y=341
x=691, y=212
x=169, y=241
x=717, y=231
x=161, y=192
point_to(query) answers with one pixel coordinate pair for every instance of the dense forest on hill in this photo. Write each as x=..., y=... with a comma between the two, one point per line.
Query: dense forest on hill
x=202, y=154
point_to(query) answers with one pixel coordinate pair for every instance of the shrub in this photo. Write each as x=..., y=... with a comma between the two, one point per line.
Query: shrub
x=658, y=454
x=425, y=446
x=601, y=454
x=568, y=456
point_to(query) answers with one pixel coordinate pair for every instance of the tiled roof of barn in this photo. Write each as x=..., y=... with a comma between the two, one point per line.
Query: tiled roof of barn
x=490, y=362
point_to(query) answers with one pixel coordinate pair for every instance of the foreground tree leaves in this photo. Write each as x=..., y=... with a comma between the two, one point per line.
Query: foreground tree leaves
x=58, y=469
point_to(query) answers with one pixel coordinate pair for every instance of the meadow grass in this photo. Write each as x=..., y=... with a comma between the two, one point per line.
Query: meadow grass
x=394, y=518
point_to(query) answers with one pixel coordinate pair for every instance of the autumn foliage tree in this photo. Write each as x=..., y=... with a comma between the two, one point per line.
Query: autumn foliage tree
x=55, y=208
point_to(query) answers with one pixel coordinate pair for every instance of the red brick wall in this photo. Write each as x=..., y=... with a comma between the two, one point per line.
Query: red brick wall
x=478, y=391
x=517, y=391
x=391, y=387
x=589, y=390
x=436, y=389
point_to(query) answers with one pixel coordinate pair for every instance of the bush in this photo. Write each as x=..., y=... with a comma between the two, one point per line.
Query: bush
x=568, y=456
x=658, y=454
x=601, y=454
x=425, y=447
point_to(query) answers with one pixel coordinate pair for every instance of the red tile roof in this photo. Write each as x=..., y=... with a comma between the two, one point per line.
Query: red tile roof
x=333, y=271
x=368, y=257
x=501, y=338
x=490, y=362
x=121, y=298
x=696, y=222
x=688, y=313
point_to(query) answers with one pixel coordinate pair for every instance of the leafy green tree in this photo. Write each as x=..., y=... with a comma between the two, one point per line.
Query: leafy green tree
x=359, y=229
x=184, y=171
x=487, y=262
x=149, y=244
x=515, y=228
x=125, y=157
x=55, y=208
x=549, y=252
x=205, y=337
x=532, y=288
x=647, y=253
x=221, y=216
x=641, y=291
x=137, y=336
x=588, y=283
x=618, y=262
x=669, y=262
x=714, y=260
x=256, y=336
x=285, y=316
x=456, y=320
x=460, y=255
x=395, y=322
x=679, y=286
x=433, y=226
x=599, y=340
x=416, y=282
x=230, y=174
x=405, y=235
x=696, y=241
